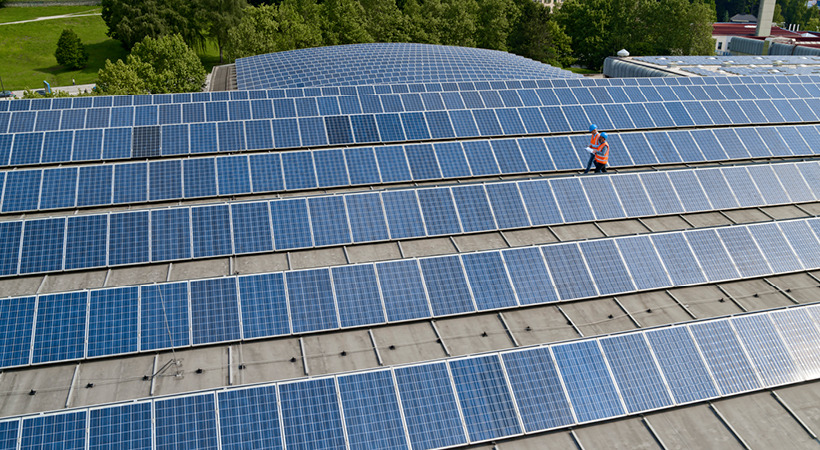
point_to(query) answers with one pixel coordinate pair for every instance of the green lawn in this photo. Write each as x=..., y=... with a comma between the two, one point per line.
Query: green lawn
x=27, y=50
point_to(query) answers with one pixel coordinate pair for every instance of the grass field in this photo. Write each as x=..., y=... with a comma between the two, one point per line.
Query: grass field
x=27, y=49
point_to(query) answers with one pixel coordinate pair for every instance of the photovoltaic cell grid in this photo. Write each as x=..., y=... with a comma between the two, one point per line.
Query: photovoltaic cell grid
x=128, y=183
x=173, y=102
x=27, y=144
x=344, y=65
x=181, y=314
x=461, y=400
x=36, y=246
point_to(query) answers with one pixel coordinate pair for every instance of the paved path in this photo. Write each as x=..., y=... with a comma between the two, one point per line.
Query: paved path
x=62, y=16
x=73, y=90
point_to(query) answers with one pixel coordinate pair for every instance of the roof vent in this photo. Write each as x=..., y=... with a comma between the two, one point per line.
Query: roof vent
x=623, y=53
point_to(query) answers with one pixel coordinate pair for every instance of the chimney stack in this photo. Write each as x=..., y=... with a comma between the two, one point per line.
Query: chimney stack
x=764, y=18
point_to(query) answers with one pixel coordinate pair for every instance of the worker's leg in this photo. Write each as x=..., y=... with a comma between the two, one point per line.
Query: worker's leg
x=600, y=167
x=591, y=160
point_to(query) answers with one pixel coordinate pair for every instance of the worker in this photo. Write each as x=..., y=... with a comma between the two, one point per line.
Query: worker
x=601, y=154
x=593, y=143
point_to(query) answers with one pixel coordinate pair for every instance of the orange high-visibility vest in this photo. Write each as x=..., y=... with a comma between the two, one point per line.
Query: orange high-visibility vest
x=593, y=142
x=602, y=153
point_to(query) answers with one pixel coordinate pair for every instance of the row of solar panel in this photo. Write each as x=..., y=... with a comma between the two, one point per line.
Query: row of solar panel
x=211, y=137
x=49, y=119
x=87, y=324
x=92, y=241
x=148, y=115
x=459, y=400
x=366, y=90
x=128, y=183
x=735, y=59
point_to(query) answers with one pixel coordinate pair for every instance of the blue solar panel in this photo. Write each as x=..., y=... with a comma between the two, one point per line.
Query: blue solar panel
x=489, y=282
x=775, y=248
x=485, y=398
x=446, y=285
x=439, y=211
x=474, y=208
x=42, y=245
x=312, y=306
x=538, y=391
x=248, y=418
x=679, y=261
x=328, y=218
x=330, y=168
x=357, y=295
x=311, y=415
x=724, y=354
x=423, y=163
x=572, y=200
x=481, y=158
x=298, y=170
x=429, y=405
x=266, y=173
x=16, y=321
x=60, y=327
x=371, y=411
x=367, y=219
x=362, y=166
x=685, y=371
x=27, y=148
x=767, y=351
x=606, y=266
x=200, y=177
x=569, y=272
x=753, y=143
x=750, y=262
x=94, y=186
x=452, y=160
x=402, y=290
x=393, y=164
x=165, y=180
x=211, y=230
x=59, y=188
x=743, y=187
x=590, y=388
x=233, y=175
x=801, y=338
x=86, y=241
x=64, y=431
x=606, y=204
x=715, y=261
x=793, y=182
x=251, y=227
x=10, y=236
x=264, y=307
x=643, y=262
x=203, y=138
x=164, y=316
x=803, y=241
x=112, y=326
x=18, y=189
x=716, y=188
x=128, y=426
x=214, y=311
x=689, y=191
x=186, y=422
x=170, y=234
x=639, y=379
x=403, y=214
x=769, y=185
x=507, y=205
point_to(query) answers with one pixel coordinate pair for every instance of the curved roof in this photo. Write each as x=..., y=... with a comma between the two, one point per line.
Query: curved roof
x=346, y=65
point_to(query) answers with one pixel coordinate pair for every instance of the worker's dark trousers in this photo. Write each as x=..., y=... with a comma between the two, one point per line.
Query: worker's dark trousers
x=600, y=167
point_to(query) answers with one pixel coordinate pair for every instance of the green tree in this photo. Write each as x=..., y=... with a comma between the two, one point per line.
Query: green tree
x=270, y=28
x=344, y=23
x=219, y=17
x=585, y=22
x=155, y=66
x=71, y=52
x=460, y=22
x=130, y=21
x=494, y=23
x=537, y=36
x=384, y=21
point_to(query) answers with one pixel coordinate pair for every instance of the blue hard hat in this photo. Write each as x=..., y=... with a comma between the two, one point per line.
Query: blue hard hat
x=603, y=135
x=593, y=127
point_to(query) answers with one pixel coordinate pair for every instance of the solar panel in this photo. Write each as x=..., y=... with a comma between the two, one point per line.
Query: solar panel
x=263, y=305
x=214, y=311
x=439, y=211
x=766, y=350
x=473, y=208
x=801, y=339
x=186, y=422
x=211, y=231
x=128, y=425
x=485, y=399
x=775, y=248
x=447, y=287
x=587, y=380
x=678, y=259
x=403, y=214
x=569, y=271
x=64, y=431
x=312, y=305
x=488, y=279
x=634, y=369
x=572, y=200
x=357, y=295
x=606, y=267
x=429, y=405
x=16, y=322
x=249, y=418
x=722, y=351
x=371, y=411
x=750, y=262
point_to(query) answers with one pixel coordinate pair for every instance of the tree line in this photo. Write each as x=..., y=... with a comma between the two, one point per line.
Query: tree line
x=582, y=31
